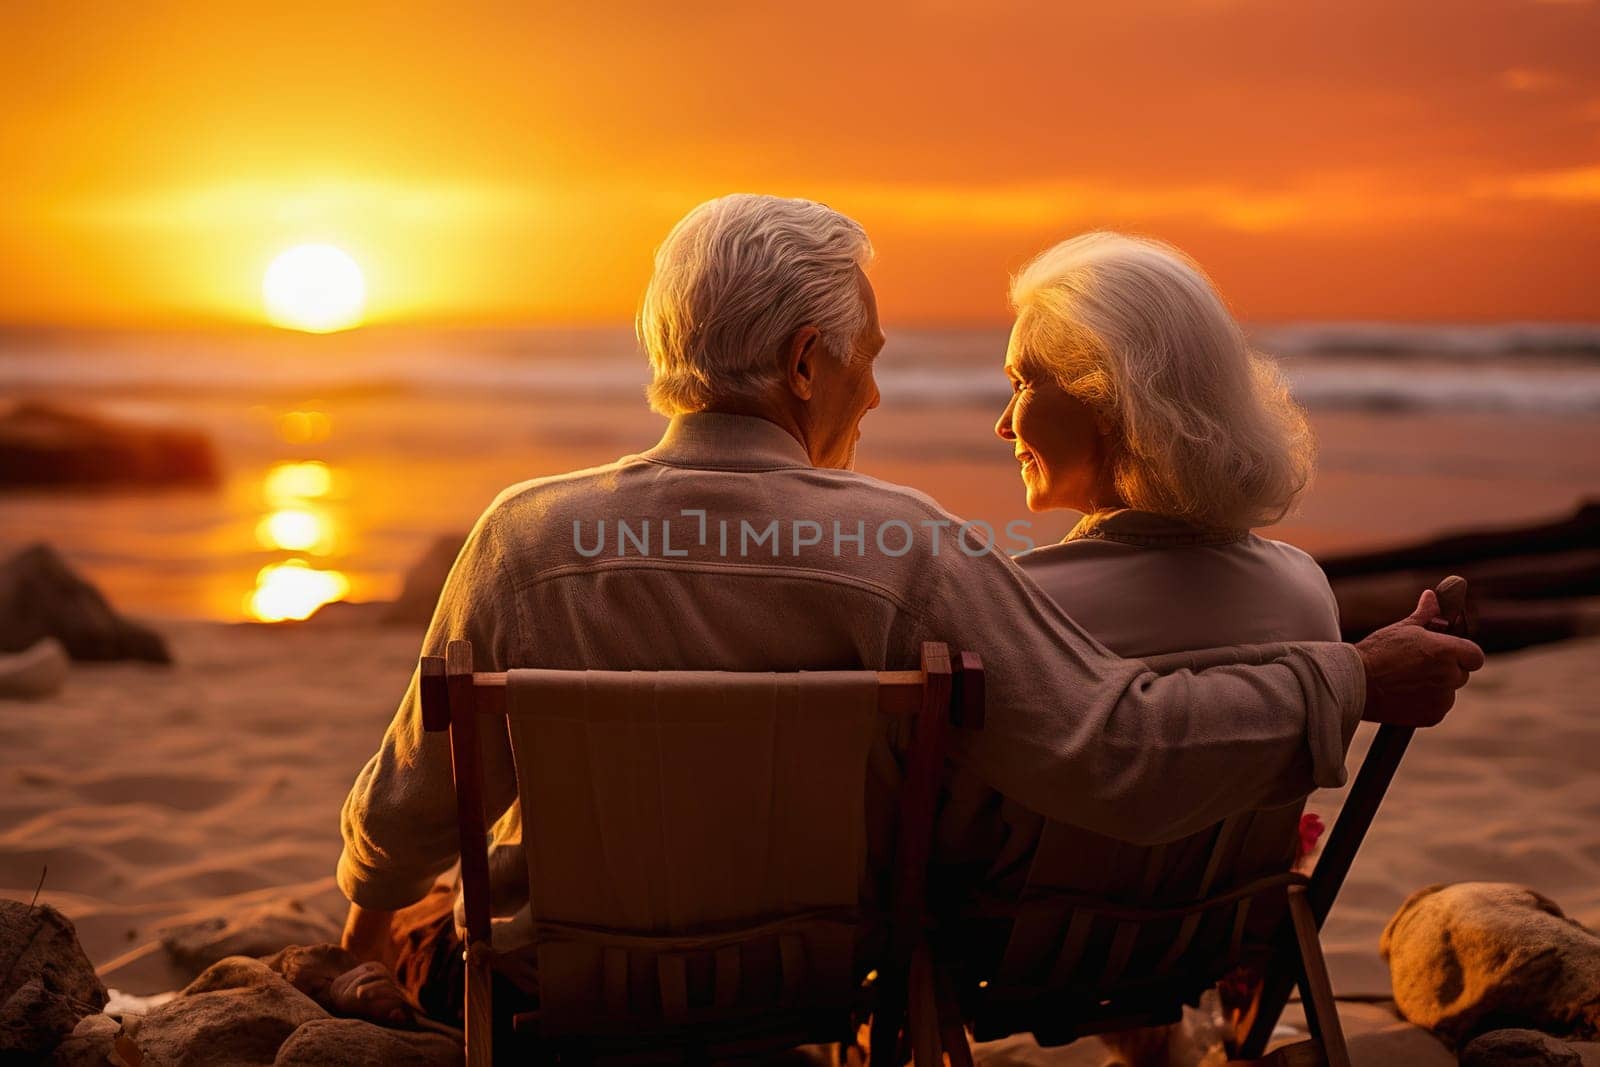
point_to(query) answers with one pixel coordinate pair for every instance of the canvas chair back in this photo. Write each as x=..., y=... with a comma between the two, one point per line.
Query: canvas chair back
x=697, y=847
x=695, y=841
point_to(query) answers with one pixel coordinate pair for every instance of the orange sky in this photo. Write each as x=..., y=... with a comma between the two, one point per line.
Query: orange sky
x=1434, y=159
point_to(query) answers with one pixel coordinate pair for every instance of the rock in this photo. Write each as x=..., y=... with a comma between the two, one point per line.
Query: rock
x=35, y=1020
x=353, y=1043
x=90, y=1044
x=35, y=672
x=51, y=984
x=238, y=1012
x=1477, y=955
x=242, y=1011
x=259, y=931
x=43, y=445
x=1519, y=1048
x=420, y=592
x=343, y=614
x=41, y=597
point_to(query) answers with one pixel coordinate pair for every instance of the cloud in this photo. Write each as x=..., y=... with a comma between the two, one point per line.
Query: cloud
x=1529, y=80
x=302, y=203
x=1576, y=185
x=1340, y=200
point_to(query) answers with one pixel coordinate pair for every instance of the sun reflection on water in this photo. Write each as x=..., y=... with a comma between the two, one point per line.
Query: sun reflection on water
x=293, y=590
x=297, y=530
x=290, y=482
x=297, y=522
x=304, y=427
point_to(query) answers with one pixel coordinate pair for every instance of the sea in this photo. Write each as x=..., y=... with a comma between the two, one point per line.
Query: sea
x=345, y=456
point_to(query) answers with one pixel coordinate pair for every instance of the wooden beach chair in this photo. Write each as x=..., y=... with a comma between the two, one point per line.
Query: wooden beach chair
x=696, y=870
x=1075, y=964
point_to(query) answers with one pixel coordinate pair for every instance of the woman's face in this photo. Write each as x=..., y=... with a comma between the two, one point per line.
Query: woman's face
x=1056, y=439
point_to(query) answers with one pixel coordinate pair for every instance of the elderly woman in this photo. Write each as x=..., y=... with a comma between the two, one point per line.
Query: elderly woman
x=1135, y=400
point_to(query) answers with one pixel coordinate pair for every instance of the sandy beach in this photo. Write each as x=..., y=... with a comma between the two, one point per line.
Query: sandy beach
x=160, y=794
x=152, y=797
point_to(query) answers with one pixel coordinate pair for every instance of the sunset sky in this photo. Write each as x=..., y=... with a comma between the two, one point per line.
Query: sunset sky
x=484, y=163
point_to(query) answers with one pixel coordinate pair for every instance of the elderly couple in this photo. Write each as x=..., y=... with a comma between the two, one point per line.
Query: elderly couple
x=1134, y=400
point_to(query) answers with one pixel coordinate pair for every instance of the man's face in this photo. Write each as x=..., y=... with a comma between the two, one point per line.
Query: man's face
x=843, y=393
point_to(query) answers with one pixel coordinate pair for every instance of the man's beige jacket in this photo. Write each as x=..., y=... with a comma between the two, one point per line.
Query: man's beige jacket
x=723, y=548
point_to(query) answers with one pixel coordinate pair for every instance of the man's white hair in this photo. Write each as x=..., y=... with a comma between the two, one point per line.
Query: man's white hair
x=733, y=282
x=1205, y=429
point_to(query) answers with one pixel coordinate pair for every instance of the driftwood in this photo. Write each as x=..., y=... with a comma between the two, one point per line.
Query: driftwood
x=1529, y=585
x=1579, y=531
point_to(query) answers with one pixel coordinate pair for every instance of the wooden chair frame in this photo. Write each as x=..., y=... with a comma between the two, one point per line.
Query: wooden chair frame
x=1333, y=866
x=1295, y=949
x=943, y=693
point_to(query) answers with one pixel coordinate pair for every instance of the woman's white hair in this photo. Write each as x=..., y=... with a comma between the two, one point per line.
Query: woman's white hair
x=1204, y=429
x=733, y=282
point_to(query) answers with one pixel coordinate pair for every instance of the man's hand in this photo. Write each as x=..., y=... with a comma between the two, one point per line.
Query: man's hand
x=1413, y=671
x=367, y=935
x=370, y=992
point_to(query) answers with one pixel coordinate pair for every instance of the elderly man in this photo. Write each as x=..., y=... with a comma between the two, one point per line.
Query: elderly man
x=743, y=541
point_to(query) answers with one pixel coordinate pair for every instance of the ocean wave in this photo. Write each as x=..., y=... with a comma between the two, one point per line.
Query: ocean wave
x=1476, y=342
x=1329, y=366
x=1555, y=391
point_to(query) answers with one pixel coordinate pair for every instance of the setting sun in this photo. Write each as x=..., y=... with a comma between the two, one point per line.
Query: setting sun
x=316, y=287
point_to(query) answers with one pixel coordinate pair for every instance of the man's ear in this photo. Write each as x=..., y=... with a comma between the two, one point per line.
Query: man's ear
x=800, y=361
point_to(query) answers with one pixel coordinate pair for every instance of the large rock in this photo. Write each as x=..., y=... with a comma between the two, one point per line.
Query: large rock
x=1476, y=956
x=353, y=1043
x=1519, y=1048
x=50, y=985
x=90, y=1044
x=40, y=597
x=42, y=445
x=238, y=1012
x=258, y=931
x=420, y=591
x=244, y=1012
